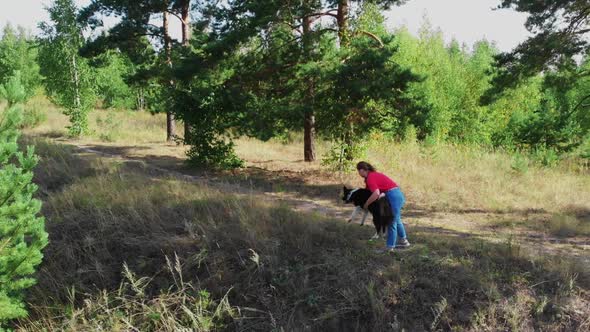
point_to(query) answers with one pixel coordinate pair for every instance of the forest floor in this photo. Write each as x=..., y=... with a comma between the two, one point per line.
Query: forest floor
x=493, y=248
x=309, y=189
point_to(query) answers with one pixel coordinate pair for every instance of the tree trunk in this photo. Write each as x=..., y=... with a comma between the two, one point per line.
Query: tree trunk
x=170, y=121
x=342, y=18
x=76, y=80
x=348, y=145
x=309, y=117
x=309, y=137
x=184, y=14
x=186, y=31
x=343, y=37
x=77, y=119
x=140, y=99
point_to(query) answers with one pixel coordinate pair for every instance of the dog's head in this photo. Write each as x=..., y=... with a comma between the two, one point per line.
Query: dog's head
x=347, y=194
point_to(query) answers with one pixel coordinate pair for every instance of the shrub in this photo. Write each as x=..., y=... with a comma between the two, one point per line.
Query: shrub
x=547, y=157
x=214, y=152
x=337, y=158
x=520, y=163
x=32, y=117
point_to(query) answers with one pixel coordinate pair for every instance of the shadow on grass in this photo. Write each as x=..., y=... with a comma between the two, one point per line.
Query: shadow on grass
x=294, y=271
x=293, y=184
x=283, y=181
x=58, y=165
x=571, y=226
x=130, y=153
x=52, y=134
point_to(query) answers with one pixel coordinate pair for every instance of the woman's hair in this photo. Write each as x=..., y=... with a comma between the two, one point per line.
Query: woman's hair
x=365, y=166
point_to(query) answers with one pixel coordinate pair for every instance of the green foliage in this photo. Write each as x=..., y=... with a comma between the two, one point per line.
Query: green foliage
x=14, y=93
x=559, y=119
x=210, y=149
x=520, y=163
x=109, y=127
x=67, y=75
x=455, y=79
x=560, y=38
x=363, y=89
x=249, y=72
x=336, y=158
x=410, y=134
x=207, y=103
x=110, y=71
x=32, y=117
x=559, y=34
x=584, y=149
x=545, y=156
x=540, y=113
x=19, y=54
x=22, y=232
x=13, y=90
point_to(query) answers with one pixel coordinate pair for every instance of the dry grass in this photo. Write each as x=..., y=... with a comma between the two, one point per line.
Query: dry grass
x=460, y=177
x=568, y=225
x=179, y=308
x=106, y=125
x=261, y=266
x=443, y=177
x=266, y=267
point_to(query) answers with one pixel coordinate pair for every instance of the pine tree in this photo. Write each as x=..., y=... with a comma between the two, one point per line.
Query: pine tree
x=13, y=90
x=285, y=86
x=560, y=33
x=22, y=231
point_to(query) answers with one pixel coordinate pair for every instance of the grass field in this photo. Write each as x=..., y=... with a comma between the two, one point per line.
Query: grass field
x=496, y=245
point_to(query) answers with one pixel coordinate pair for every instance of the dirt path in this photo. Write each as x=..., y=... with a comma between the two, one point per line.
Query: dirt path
x=489, y=226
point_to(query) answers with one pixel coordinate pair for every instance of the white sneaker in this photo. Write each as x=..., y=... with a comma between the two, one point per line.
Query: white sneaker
x=402, y=243
x=375, y=237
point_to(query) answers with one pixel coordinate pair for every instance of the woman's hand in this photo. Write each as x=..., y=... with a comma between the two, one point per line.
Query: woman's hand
x=374, y=196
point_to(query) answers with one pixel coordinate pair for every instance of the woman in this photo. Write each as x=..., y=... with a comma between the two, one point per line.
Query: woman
x=379, y=183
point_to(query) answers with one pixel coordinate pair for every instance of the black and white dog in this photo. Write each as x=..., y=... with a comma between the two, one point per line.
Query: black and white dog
x=380, y=209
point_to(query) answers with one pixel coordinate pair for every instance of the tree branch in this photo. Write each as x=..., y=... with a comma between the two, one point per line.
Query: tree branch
x=581, y=102
x=374, y=36
x=327, y=29
x=177, y=16
x=294, y=27
x=327, y=13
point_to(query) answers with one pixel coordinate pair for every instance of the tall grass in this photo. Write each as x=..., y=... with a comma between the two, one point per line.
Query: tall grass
x=257, y=265
x=110, y=125
x=444, y=177
x=439, y=177
x=455, y=177
x=178, y=308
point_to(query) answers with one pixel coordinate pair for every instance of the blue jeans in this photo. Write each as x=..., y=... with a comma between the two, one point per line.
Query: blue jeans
x=396, y=200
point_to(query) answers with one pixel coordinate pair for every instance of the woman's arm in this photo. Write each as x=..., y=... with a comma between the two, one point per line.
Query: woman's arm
x=374, y=196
